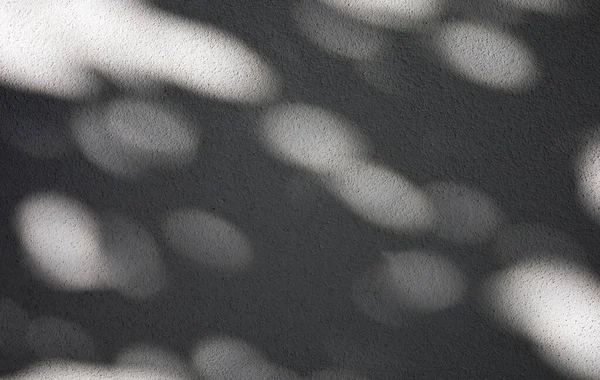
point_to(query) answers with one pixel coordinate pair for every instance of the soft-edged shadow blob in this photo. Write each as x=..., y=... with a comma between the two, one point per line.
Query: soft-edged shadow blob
x=62, y=241
x=133, y=259
x=51, y=337
x=128, y=137
x=208, y=239
x=227, y=358
x=310, y=137
x=155, y=359
x=463, y=214
x=555, y=304
x=522, y=242
x=487, y=55
x=337, y=34
x=403, y=284
x=394, y=14
x=382, y=197
x=14, y=323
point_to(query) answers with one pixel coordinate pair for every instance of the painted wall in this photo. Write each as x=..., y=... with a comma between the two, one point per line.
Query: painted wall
x=317, y=189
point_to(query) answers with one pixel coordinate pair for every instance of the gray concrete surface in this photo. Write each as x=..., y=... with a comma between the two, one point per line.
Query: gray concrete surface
x=316, y=189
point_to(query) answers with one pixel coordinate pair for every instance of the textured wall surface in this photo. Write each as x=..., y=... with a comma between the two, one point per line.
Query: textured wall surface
x=310, y=189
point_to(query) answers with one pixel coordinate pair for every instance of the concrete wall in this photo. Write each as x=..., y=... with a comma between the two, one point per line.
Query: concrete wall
x=316, y=189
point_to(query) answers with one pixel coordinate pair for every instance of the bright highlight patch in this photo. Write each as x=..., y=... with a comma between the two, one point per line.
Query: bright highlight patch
x=128, y=137
x=556, y=304
x=382, y=197
x=488, y=56
x=225, y=358
x=408, y=282
x=62, y=240
x=310, y=137
x=208, y=239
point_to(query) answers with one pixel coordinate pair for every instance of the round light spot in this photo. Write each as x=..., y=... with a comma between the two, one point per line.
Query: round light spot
x=382, y=197
x=208, y=239
x=62, y=240
x=556, y=304
x=487, y=56
x=225, y=358
x=310, y=137
x=128, y=137
x=408, y=282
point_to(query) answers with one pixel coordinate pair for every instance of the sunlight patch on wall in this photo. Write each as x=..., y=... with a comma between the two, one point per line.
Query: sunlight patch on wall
x=72, y=370
x=74, y=249
x=310, y=137
x=37, y=52
x=405, y=283
x=555, y=304
x=463, y=214
x=226, y=358
x=382, y=197
x=208, y=239
x=395, y=14
x=488, y=56
x=129, y=137
x=51, y=337
x=335, y=33
x=128, y=39
x=62, y=240
x=52, y=48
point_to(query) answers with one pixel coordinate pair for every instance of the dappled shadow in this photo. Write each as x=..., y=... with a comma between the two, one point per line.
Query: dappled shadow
x=317, y=189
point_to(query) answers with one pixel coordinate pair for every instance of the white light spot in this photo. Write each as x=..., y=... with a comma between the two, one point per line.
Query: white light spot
x=587, y=174
x=556, y=304
x=310, y=137
x=488, y=56
x=382, y=197
x=408, y=282
x=128, y=137
x=62, y=240
x=337, y=34
x=51, y=337
x=225, y=358
x=395, y=14
x=552, y=7
x=208, y=239
x=464, y=215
